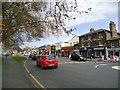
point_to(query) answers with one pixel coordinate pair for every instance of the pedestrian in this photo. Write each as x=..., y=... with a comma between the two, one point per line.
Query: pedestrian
x=6, y=55
x=92, y=56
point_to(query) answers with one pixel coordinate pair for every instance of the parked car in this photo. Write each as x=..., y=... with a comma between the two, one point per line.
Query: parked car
x=77, y=57
x=34, y=57
x=47, y=61
x=25, y=54
x=30, y=56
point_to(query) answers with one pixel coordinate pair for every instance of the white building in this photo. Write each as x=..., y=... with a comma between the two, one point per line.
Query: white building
x=73, y=41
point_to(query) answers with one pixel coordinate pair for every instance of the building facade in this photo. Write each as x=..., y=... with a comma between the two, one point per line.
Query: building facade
x=95, y=42
x=113, y=48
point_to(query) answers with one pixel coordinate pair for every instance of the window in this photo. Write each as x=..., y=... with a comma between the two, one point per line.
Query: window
x=89, y=37
x=100, y=35
x=73, y=43
x=100, y=42
x=82, y=45
x=112, y=44
x=82, y=39
x=89, y=44
x=50, y=57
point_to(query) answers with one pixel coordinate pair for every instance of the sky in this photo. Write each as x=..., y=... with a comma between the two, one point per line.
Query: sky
x=103, y=11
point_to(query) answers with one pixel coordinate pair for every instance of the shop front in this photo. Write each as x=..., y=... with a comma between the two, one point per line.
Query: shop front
x=100, y=52
x=66, y=51
x=113, y=54
x=87, y=52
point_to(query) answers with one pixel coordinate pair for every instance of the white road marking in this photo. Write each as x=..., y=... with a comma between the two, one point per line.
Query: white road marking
x=72, y=62
x=96, y=66
x=116, y=67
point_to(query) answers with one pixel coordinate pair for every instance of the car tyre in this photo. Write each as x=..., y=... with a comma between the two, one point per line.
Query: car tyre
x=37, y=64
x=42, y=67
x=56, y=67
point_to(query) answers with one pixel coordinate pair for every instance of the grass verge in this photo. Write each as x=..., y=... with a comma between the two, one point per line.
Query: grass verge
x=19, y=58
x=0, y=58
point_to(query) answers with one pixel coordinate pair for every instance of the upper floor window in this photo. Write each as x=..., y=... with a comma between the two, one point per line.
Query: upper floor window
x=83, y=39
x=89, y=44
x=82, y=45
x=100, y=42
x=100, y=35
x=89, y=37
x=70, y=44
x=112, y=44
x=73, y=43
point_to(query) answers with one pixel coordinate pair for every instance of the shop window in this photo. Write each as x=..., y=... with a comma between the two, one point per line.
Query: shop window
x=116, y=53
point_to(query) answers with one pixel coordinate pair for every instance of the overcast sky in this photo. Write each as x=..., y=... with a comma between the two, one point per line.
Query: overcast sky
x=103, y=11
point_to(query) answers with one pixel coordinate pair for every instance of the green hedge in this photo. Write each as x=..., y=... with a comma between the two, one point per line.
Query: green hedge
x=19, y=58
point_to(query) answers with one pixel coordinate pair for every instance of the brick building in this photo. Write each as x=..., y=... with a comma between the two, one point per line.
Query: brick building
x=96, y=41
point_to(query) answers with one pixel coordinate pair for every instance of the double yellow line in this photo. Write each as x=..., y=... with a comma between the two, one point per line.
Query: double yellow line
x=39, y=83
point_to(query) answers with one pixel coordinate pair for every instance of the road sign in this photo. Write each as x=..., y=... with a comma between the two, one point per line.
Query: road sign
x=2, y=26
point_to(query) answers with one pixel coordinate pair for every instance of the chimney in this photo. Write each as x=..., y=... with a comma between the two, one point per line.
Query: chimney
x=113, y=29
x=92, y=29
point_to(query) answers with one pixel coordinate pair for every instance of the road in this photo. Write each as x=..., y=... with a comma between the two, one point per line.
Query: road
x=73, y=74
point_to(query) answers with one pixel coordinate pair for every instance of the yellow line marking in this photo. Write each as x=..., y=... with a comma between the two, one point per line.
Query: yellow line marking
x=34, y=77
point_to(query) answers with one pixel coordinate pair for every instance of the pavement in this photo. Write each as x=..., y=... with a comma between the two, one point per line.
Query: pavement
x=14, y=75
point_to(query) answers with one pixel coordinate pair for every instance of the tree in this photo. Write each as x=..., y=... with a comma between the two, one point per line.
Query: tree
x=26, y=21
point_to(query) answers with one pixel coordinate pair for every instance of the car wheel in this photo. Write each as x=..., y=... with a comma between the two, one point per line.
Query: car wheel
x=37, y=64
x=56, y=67
x=42, y=67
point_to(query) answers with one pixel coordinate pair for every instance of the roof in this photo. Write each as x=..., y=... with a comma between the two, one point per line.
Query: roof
x=114, y=38
x=95, y=31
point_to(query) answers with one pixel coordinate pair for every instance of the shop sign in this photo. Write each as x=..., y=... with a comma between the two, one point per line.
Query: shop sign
x=89, y=49
x=100, y=48
x=76, y=50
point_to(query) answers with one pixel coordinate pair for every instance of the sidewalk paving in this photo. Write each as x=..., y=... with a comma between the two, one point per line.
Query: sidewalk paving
x=13, y=75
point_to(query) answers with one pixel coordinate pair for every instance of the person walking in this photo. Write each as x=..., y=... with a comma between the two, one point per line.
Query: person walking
x=6, y=55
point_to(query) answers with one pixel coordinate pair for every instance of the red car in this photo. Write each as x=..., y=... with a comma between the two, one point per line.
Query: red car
x=30, y=56
x=47, y=61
